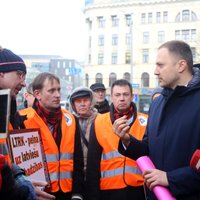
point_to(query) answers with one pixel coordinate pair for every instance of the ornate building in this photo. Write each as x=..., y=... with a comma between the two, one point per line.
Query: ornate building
x=123, y=37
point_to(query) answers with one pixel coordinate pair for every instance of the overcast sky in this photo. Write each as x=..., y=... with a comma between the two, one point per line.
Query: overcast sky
x=54, y=27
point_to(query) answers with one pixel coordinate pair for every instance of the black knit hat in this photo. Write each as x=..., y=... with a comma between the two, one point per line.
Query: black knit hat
x=10, y=61
x=97, y=86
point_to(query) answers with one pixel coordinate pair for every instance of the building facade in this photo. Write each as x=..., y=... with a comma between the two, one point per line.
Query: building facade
x=123, y=37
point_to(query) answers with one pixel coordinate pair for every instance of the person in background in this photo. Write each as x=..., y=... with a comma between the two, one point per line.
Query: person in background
x=101, y=103
x=171, y=142
x=82, y=104
x=28, y=98
x=60, y=137
x=156, y=93
x=110, y=175
x=14, y=184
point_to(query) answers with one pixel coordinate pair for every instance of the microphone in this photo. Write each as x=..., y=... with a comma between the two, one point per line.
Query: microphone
x=161, y=192
x=195, y=160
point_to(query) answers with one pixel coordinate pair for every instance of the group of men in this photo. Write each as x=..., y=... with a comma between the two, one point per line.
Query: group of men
x=91, y=153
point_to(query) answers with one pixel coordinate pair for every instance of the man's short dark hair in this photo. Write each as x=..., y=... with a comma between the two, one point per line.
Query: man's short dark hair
x=181, y=50
x=121, y=82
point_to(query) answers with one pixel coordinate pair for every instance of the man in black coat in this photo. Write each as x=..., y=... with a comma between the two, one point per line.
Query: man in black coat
x=173, y=131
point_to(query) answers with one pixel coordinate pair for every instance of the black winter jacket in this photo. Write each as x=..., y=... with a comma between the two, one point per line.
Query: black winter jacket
x=172, y=136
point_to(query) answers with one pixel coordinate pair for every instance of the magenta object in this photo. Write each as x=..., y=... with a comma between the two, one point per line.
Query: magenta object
x=161, y=192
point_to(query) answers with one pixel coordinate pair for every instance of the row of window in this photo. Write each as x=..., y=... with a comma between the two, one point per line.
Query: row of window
x=148, y=18
x=145, y=57
x=114, y=58
x=188, y=35
x=113, y=77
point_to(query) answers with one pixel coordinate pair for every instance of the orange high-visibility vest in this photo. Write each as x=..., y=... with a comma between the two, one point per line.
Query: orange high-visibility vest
x=59, y=162
x=117, y=171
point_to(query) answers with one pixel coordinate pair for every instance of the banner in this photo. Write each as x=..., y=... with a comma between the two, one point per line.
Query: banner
x=27, y=152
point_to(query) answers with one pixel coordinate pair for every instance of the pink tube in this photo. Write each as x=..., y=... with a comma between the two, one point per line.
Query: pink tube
x=161, y=192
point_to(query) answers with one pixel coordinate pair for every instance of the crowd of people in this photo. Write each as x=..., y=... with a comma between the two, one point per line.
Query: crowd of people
x=91, y=150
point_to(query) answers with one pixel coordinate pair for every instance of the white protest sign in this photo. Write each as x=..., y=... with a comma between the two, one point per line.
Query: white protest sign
x=27, y=152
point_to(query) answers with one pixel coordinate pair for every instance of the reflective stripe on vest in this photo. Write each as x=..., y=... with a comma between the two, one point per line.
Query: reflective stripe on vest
x=109, y=155
x=59, y=161
x=55, y=157
x=60, y=176
x=120, y=171
x=117, y=171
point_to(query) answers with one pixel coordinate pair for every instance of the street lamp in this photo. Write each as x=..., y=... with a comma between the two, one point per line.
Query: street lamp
x=131, y=49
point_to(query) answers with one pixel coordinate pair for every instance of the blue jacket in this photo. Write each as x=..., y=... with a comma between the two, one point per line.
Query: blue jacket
x=172, y=136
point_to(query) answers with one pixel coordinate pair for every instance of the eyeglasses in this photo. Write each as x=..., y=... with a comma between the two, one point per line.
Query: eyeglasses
x=21, y=74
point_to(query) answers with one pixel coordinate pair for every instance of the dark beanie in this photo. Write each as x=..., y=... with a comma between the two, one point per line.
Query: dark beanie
x=10, y=61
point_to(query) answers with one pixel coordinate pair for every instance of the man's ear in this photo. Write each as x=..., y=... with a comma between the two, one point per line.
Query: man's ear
x=25, y=95
x=37, y=94
x=1, y=74
x=182, y=65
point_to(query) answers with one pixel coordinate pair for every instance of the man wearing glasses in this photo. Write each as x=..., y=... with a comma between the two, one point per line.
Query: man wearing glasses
x=12, y=76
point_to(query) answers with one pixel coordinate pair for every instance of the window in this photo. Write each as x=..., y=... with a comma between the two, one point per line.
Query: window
x=128, y=20
x=193, y=16
x=128, y=39
x=90, y=25
x=115, y=21
x=178, y=35
x=145, y=79
x=128, y=58
x=193, y=49
x=185, y=15
x=64, y=64
x=58, y=64
x=127, y=76
x=193, y=35
x=146, y=37
x=114, y=58
x=112, y=78
x=100, y=58
x=99, y=78
x=185, y=35
x=158, y=17
x=143, y=18
x=178, y=18
x=165, y=16
x=150, y=18
x=86, y=80
x=114, y=39
x=161, y=36
x=101, y=40
x=145, y=55
x=101, y=22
